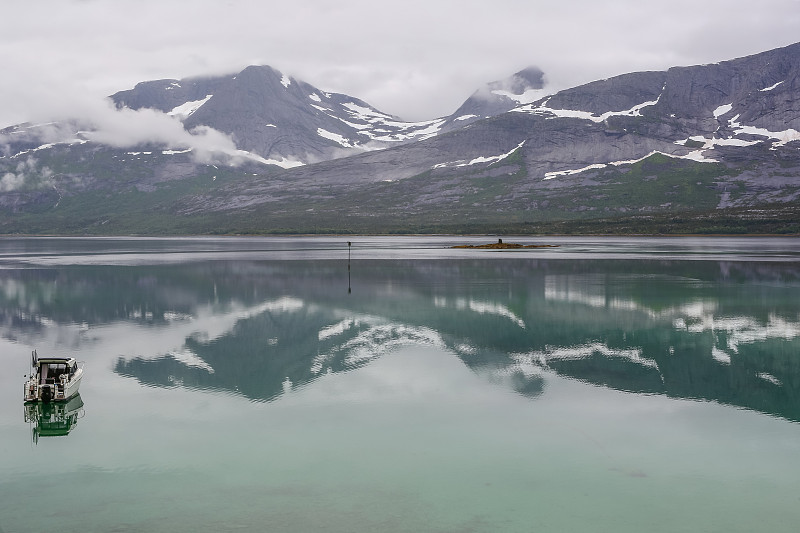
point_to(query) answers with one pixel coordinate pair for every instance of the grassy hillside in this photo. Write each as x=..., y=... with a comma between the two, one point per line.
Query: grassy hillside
x=148, y=196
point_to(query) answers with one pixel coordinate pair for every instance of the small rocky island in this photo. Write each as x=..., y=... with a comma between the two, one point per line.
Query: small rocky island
x=500, y=245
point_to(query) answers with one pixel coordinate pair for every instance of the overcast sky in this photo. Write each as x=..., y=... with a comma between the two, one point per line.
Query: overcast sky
x=417, y=59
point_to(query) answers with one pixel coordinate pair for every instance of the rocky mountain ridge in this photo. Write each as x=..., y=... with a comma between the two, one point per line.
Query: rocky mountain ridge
x=690, y=139
x=272, y=115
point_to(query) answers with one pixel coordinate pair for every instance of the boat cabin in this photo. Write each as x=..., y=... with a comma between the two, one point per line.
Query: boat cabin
x=50, y=369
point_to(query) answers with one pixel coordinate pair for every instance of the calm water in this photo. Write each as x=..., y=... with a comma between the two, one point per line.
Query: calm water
x=262, y=385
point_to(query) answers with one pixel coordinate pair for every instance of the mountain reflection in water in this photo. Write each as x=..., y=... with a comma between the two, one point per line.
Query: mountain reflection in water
x=720, y=331
x=723, y=332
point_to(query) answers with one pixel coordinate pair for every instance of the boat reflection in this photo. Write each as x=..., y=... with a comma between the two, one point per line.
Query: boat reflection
x=54, y=419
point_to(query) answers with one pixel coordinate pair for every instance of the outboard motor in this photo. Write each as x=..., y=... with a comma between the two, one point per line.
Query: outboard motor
x=47, y=394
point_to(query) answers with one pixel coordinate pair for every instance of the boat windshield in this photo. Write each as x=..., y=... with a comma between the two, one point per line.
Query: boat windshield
x=52, y=372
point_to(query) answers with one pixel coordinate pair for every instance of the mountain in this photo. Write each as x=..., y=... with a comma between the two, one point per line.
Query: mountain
x=275, y=116
x=497, y=97
x=690, y=149
x=290, y=122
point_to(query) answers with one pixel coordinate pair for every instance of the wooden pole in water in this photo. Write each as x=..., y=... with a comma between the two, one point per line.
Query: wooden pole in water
x=349, y=244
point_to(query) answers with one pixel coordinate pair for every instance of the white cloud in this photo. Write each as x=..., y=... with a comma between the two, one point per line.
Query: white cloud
x=11, y=181
x=26, y=174
x=101, y=122
x=124, y=128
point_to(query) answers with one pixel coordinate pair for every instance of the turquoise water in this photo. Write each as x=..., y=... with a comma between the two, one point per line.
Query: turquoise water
x=272, y=385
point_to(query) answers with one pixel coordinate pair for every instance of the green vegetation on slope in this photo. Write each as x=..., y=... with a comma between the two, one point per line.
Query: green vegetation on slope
x=659, y=195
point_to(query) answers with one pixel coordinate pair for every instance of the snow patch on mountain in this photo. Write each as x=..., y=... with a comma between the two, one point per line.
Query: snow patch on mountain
x=696, y=155
x=479, y=159
x=46, y=146
x=594, y=166
x=375, y=127
x=425, y=130
x=542, y=109
x=354, y=125
x=765, y=89
x=781, y=137
x=709, y=144
x=335, y=137
x=392, y=131
x=365, y=113
x=721, y=110
x=184, y=111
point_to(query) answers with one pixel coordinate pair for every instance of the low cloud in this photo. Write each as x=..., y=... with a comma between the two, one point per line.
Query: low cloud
x=127, y=128
x=26, y=175
x=101, y=122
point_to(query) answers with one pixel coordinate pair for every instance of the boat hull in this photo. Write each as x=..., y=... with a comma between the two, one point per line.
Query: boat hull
x=53, y=392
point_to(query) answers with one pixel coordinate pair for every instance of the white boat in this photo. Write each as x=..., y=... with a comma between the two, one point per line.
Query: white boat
x=53, y=379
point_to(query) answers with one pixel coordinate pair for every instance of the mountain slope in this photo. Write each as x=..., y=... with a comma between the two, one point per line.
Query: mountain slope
x=720, y=138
